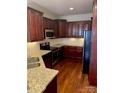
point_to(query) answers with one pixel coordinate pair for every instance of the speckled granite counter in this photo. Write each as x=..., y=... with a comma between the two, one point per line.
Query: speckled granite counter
x=39, y=78
x=61, y=45
x=39, y=54
x=58, y=45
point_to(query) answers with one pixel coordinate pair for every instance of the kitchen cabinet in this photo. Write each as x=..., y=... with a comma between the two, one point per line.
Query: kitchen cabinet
x=75, y=29
x=52, y=87
x=48, y=23
x=35, y=25
x=93, y=58
x=60, y=28
x=73, y=52
x=47, y=58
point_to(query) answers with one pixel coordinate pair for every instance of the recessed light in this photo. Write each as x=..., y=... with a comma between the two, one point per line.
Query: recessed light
x=71, y=8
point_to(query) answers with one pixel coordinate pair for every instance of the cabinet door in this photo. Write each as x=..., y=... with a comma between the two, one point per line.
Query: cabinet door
x=73, y=51
x=75, y=29
x=62, y=29
x=48, y=23
x=79, y=51
x=31, y=25
x=52, y=87
x=56, y=28
x=35, y=25
x=39, y=27
x=70, y=29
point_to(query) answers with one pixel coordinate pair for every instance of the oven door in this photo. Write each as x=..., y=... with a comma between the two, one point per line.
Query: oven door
x=54, y=56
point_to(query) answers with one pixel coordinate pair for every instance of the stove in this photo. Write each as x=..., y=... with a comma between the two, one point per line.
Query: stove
x=54, y=50
x=46, y=46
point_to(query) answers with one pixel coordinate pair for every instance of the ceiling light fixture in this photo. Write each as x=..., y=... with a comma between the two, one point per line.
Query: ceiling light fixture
x=71, y=8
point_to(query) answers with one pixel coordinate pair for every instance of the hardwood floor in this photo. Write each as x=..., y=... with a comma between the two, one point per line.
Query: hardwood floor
x=70, y=78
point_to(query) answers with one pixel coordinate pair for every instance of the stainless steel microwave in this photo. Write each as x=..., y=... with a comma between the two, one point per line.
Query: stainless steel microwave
x=49, y=34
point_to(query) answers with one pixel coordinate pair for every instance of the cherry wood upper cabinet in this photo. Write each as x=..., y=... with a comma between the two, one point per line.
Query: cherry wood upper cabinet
x=35, y=25
x=48, y=23
x=93, y=59
x=75, y=29
x=60, y=28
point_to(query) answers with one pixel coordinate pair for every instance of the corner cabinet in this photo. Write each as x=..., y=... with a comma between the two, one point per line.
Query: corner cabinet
x=60, y=28
x=35, y=25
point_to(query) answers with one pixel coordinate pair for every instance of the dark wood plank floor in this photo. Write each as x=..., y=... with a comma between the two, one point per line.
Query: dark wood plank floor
x=70, y=78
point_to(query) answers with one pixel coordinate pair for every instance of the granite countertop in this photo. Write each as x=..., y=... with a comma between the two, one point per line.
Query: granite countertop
x=39, y=54
x=61, y=45
x=39, y=78
x=58, y=45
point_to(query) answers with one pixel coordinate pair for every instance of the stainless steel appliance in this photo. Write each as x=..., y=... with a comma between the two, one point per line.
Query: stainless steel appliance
x=54, y=50
x=86, y=50
x=49, y=34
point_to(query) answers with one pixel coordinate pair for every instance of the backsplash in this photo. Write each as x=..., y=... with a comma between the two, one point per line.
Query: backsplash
x=66, y=41
x=34, y=46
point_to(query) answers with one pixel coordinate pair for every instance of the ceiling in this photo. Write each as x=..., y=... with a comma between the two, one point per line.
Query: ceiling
x=61, y=7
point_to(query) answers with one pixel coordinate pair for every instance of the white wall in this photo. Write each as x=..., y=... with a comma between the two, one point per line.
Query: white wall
x=46, y=13
x=78, y=17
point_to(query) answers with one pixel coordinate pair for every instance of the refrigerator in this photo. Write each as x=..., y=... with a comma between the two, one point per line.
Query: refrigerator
x=86, y=50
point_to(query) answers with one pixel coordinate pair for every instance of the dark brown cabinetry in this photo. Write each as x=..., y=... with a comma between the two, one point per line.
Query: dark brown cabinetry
x=35, y=25
x=48, y=60
x=75, y=29
x=48, y=23
x=73, y=52
x=60, y=28
x=52, y=87
x=93, y=59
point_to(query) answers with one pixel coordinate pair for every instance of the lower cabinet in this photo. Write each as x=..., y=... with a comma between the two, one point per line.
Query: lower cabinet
x=73, y=52
x=48, y=60
x=52, y=87
x=66, y=51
